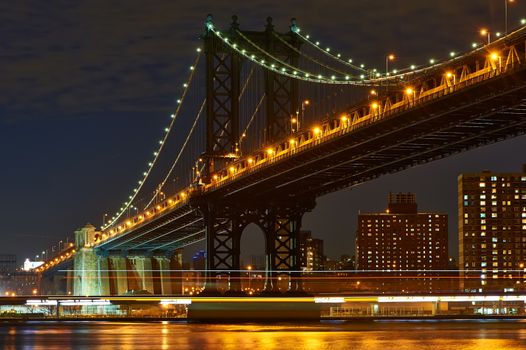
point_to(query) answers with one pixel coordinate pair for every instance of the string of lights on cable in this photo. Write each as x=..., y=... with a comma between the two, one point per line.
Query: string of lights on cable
x=157, y=152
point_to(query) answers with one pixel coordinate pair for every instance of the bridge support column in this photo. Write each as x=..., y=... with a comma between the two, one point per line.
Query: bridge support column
x=283, y=238
x=176, y=264
x=119, y=275
x=223, y=230
x=90, y=269
x=281, y=224
x=144, y=271
x=165, y=281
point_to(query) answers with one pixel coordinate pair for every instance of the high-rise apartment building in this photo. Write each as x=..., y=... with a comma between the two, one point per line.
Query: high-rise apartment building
x=492, y=230
x=404, y=240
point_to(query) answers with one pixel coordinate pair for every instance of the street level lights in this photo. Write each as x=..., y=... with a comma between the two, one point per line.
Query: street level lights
x=485, y=32
x=249, y=268
x=506, y=14
x=388, y=58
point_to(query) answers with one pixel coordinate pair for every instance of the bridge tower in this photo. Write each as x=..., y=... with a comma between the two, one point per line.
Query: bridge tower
x=225, y=220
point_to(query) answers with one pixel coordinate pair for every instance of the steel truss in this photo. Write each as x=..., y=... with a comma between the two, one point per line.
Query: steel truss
x=280, y=223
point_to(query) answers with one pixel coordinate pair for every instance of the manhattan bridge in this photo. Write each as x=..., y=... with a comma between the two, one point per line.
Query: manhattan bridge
x=266, y=124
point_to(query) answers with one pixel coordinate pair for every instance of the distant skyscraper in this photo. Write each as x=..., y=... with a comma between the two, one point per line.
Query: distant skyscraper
x=492, y=230
x=403, y=239
x=311, y=249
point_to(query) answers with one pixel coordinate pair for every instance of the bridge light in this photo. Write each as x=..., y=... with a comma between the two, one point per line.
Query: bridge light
x=523, y=21
x=374, y=105
x=128, y=223
x=474, y=45
x=270, y=151
x=215, y=177
x=391, y=57
x=232, y=169
x=316, y=130
x=373, y=93
x=293, y=120
x=250, y=160
x=483, y=32
x=413, y=67
x=449, y=75
x=498, y=34
x=306, y=102
x=292, y=142
x=158, y=207
x=344, y=118
x=452, y=54
x=182, y=194
x=409, y=91
x=494, y=56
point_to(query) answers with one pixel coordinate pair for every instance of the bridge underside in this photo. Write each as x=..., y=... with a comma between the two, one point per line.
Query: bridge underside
x=173, y=230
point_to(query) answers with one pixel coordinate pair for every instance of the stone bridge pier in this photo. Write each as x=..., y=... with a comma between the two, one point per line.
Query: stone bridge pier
x=103, y=273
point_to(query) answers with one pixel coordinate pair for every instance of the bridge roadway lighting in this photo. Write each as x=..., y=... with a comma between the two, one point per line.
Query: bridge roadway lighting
x=294, y=125
x=506, y=14
x=388, y=58
x=485, y=32
x=450, y=75
x=410, y=93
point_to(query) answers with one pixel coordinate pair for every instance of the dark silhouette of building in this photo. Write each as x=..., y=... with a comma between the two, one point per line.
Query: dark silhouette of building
x=402, y=242
x=492, y=230
x=7, y=264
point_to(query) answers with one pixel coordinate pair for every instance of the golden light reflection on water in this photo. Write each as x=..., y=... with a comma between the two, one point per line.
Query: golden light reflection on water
x=497, y=335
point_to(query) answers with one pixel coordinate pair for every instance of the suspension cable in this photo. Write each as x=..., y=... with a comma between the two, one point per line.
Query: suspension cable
x=312, y=59
x=162, y=142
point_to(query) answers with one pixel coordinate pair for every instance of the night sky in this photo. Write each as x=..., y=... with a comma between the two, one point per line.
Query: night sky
x=85, y=87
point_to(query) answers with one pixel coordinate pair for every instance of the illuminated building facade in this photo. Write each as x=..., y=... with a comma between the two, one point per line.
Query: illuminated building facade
x=404, y=242
x=311, y=250
x=492, y=230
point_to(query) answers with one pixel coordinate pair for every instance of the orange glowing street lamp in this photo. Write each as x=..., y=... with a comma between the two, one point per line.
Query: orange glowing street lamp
x=506, y=14
x=388, y=58
x=485, y=32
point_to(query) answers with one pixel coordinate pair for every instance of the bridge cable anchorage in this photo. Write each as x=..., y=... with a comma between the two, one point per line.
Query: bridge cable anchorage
x=183, y=147
x=168, y=129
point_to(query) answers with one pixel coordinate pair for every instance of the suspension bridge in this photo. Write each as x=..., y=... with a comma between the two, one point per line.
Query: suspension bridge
x=265, y=124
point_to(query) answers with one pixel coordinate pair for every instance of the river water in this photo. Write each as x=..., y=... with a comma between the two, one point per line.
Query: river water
x=330, y=335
